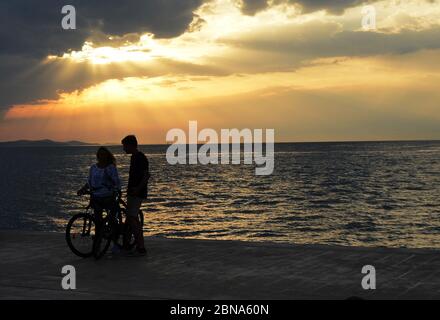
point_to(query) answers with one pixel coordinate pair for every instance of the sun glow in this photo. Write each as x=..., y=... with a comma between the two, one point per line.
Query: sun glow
x=104, y=55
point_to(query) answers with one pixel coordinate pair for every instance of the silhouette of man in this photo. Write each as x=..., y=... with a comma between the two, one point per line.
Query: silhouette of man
x=137, y=190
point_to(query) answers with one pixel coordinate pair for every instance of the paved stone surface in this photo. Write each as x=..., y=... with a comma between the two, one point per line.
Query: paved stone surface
x=30, y=268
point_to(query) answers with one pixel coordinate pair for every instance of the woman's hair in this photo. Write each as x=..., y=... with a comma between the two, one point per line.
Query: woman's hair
x=107, y=157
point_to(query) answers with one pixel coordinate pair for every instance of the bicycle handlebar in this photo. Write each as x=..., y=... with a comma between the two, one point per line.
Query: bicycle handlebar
x=88, y=192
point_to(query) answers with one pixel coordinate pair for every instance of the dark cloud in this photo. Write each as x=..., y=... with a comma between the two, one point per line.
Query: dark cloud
x=32, y=27
x=333, y=6
x=165, y=18
x=326, y=39
x=31, y=30
x=250, y=7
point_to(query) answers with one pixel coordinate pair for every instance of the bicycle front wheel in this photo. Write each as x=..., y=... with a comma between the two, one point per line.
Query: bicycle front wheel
x=80, y=234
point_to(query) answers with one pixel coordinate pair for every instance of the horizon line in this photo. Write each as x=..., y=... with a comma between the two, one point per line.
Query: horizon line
x=201, y=143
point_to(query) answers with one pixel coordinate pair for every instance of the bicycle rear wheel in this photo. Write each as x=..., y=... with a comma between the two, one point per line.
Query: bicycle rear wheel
x=127, y=240
x=80, y=234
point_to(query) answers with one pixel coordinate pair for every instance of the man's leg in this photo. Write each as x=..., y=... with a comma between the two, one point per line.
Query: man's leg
x=133, y=207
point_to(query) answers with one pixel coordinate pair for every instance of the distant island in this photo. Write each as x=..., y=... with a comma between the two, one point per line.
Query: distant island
x=43, y=143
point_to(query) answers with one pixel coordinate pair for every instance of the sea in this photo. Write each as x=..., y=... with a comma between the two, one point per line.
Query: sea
x=369, y=194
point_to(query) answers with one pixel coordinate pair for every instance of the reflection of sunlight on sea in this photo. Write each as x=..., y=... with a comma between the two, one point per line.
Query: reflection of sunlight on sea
x=367, y=194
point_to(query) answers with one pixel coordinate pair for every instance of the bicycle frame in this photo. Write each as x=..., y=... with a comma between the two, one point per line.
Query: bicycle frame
x=113, y=223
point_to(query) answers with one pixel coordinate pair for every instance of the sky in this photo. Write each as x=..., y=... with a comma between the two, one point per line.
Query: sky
x=306, y=68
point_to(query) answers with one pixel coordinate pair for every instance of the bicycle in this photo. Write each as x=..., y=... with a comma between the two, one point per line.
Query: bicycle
x=85, y=240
